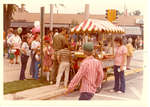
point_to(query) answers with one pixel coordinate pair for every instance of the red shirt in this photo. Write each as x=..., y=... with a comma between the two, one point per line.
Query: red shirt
x=91, y=75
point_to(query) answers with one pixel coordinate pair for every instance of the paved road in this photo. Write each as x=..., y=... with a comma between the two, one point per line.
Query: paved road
x=134, y=84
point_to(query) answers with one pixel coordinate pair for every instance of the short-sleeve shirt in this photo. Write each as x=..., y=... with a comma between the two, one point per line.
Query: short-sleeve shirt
x=119, y=53
x=64, y=54
x=16, y=41
x=35, y=44
x=25, y=46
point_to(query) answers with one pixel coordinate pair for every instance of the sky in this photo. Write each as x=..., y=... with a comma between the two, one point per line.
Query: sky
x=96, y=6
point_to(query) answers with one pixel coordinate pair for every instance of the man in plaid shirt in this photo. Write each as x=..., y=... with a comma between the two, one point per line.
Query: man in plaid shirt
x=90, y=73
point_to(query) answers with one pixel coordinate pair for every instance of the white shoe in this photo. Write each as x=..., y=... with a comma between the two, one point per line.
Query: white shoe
x=112, y=90
x=120, y=92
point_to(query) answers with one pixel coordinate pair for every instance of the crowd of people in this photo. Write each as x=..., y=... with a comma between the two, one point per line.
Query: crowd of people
x=57, y=58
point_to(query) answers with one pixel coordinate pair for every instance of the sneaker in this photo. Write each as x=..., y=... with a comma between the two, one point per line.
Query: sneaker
x=112, y=90
x=51, y=82
x=119, y=92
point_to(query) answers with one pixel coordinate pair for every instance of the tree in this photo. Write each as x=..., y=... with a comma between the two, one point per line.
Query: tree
x=137, y=12
x=9, y=10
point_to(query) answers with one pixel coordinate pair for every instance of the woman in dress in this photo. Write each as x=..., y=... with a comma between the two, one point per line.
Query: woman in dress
x=48, y=52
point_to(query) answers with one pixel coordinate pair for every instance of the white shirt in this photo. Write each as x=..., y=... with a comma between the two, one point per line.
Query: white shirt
x=35, y=44
x=16, y=41
x=9, y=39
x=37, y=57
x=56, y=34
x=25, y=46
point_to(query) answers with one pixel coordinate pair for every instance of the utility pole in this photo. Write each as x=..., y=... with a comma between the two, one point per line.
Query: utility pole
x=42, y=33
x=51, y=16
x=86, y=12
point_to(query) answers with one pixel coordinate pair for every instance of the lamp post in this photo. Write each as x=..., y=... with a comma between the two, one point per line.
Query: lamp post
x=42, y=33
x=51, y=16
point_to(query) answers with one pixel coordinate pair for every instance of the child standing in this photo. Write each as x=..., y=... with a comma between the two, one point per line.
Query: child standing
x=37, y=63
x=11, y=54
x=48, y=52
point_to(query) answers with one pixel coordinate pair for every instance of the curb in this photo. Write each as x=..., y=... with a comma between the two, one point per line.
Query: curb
x=47, y=94
x=129, y=72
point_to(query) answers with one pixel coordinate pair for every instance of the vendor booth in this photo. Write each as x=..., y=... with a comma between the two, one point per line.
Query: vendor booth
x=104, y=32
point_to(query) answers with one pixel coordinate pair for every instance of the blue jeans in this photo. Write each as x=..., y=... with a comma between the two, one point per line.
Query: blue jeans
x=36, y=69
x=32, y=67
x=119, y=77
x=86, y=96
x=24, y=60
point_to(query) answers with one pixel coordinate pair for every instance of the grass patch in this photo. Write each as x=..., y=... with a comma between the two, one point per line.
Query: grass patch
x=20, y=85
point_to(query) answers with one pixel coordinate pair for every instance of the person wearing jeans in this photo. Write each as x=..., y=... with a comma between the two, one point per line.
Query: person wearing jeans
x=25, y=52
x=37, y=63
x=24, y=60
x=120, y=58
x=36, y=69
x=119, y=76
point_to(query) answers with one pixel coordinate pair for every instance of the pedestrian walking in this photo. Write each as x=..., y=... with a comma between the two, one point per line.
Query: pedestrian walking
x=119, y=66
x=64, y=58
x=130, y=52
x=90, y=73
x=59, y=41
x=25, y=53
x=47, y=62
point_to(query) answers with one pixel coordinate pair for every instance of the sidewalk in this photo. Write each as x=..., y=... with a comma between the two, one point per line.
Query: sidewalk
x=12, y=71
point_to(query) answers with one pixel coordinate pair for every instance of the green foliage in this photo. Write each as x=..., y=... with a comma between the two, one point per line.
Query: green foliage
x=20, y=85
x=9, y=10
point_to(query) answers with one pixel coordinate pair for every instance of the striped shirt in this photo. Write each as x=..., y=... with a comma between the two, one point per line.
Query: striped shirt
x=90, y=73
x=64, y=54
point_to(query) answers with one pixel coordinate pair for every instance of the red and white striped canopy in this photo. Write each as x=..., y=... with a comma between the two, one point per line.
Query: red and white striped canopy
x=97, y=25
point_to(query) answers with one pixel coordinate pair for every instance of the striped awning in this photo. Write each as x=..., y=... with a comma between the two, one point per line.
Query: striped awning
x=97, y=25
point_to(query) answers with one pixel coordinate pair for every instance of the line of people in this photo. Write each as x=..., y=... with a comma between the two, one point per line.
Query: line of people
x=57, y=60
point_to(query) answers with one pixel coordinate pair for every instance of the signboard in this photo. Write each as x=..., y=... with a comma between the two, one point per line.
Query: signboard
x=28, y=24
x=22, y=24
x=139, y=21
x=132, y=30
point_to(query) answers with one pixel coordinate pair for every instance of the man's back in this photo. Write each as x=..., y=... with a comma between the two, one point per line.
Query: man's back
x=91, y=74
